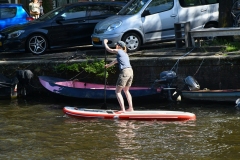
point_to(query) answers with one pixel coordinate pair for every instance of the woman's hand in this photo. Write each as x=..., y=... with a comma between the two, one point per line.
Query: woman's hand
x=111, y=64
x=105, y=41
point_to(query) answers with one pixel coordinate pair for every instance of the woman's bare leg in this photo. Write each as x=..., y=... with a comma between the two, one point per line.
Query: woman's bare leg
x=120, y=98
x=129, y=98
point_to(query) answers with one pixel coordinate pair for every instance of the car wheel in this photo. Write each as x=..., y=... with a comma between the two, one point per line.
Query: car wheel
x=132, y=41
x=37, y=44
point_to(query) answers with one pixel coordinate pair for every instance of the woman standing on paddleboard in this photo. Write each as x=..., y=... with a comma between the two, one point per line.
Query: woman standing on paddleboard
x=125, y=77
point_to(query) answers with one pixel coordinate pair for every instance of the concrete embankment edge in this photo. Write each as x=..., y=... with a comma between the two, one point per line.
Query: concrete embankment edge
x=212, y=71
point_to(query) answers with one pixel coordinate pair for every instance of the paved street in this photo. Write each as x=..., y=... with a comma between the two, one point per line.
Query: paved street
x=164, y=49
x=68, y=52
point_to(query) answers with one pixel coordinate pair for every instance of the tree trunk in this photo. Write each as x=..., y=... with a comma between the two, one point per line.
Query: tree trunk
x=225, y=17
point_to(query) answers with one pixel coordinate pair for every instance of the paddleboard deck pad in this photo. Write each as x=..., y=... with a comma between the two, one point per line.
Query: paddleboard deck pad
x=134, y=115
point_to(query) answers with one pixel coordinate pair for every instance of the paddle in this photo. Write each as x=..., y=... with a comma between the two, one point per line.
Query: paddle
x=104, y=106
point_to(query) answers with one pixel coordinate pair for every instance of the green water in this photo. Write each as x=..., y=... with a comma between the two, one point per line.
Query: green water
x=40, y=130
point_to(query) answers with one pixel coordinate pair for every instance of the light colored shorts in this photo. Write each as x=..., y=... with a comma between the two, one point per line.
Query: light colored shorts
x=125, y=77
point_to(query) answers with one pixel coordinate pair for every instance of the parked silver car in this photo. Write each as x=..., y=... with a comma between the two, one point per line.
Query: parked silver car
x=146, y=21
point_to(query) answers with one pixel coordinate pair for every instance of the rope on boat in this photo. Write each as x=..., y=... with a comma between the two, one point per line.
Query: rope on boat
x=198, y=68
x=176, y=64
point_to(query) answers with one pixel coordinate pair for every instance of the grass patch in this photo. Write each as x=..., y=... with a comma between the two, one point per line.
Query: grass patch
x=229, y=46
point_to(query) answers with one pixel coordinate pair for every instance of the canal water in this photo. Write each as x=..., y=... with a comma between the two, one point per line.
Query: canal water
x=39, y=130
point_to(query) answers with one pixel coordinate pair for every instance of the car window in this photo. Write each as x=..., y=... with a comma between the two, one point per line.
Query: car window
x=211, y=1
x=190, y=3
x=75, y=12
x=8, y=12
x=99, y=10
x=115, y=9
x=157, y=6
x=51, y=14
x=103, y=9
x=133, y=7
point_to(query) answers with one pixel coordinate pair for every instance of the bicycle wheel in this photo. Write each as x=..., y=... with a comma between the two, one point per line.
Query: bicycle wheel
x=235, y=10
x=237, y=21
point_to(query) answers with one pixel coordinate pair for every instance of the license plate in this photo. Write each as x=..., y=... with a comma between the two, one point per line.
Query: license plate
x=0, y=43
x=94, y=39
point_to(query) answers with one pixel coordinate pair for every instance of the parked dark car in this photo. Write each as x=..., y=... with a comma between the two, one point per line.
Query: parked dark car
x=66, y=26
x=12, y=14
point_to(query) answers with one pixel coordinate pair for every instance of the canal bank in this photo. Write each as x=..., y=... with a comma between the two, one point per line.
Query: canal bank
x=212, y=68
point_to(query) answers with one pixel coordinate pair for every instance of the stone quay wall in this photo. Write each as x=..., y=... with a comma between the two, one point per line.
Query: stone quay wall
x=212, y=72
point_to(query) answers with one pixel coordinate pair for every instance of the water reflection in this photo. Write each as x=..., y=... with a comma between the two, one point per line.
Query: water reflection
x=126, y=133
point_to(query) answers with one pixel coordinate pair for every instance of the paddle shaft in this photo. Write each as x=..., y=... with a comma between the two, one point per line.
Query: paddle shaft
x=105, y=78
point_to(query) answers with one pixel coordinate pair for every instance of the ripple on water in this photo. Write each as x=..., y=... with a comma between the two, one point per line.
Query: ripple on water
x=41, y=132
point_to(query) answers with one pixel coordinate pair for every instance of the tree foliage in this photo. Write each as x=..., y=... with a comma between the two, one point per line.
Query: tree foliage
x=94, y=67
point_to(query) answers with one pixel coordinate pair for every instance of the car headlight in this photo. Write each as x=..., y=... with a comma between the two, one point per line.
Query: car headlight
x=114, y=25
x=15, y=34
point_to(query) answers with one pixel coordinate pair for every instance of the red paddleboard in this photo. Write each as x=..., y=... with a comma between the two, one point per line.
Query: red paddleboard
x=134, y=115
